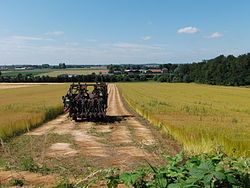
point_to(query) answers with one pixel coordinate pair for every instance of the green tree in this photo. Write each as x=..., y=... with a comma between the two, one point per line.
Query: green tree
x=62, y=66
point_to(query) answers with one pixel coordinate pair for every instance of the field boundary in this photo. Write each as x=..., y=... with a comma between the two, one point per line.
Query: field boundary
x=164, y=136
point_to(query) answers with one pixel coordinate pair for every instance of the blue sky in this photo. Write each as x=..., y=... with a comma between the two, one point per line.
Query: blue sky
x=121, y=31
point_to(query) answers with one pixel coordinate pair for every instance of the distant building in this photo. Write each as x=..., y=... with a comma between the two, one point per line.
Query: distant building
x=23, y=68
x=144, y=71
x=67, y=75
x=165, y=70
x=156, y=71
x=117, y=72
x=153, y=65
x=132, y=72
x=3, y=68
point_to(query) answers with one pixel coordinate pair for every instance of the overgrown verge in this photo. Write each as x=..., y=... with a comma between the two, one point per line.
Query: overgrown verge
x=204, y=170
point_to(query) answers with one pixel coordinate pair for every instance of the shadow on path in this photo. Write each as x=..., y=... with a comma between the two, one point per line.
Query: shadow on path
x=107, y=119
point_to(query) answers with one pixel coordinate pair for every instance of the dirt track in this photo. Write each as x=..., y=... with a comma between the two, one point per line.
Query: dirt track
x=85, y=135
x=123, y=141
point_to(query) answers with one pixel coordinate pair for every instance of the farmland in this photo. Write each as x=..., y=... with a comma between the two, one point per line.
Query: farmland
x=55, y=72
x=65, y=148
x=60, y=149
x=34, y=72
x=201, y=117
x=24, y=107
x=73, y=71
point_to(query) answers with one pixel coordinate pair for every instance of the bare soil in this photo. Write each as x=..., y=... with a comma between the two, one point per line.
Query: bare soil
x=29, y=178
x=124, y=141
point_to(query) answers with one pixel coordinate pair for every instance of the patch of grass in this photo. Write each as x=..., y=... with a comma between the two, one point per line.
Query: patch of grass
x=32, y=156
x=201, y=117
x=77, y=126
x=26, y=157
x=92, y=131
x=28, y=164
x=16, y=182
x=64, y=183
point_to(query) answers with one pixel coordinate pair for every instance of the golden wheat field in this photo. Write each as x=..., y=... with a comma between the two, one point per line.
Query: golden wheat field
x=26, y=107
x=72, y=71
x=201, y=117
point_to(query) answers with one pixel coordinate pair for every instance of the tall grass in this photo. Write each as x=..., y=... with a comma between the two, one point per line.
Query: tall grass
x=22, y=109
x=201, y=117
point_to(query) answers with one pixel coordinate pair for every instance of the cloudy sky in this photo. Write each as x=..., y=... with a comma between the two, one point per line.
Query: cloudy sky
x=121, y=31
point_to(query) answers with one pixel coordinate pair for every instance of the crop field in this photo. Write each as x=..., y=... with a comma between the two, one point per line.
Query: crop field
x=62, y=148
x=55, y=72
x=24, y=107
x=34, y=72
x=201, y=117
x=74, y=71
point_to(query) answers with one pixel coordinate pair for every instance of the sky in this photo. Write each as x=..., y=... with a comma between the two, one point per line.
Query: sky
x=122, y=31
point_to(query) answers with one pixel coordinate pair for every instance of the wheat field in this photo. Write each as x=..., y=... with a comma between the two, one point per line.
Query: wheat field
x=201, y=117
x=26, y=107
x=72, y=71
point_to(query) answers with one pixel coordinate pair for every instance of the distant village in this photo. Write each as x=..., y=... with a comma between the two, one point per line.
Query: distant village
x=111, y=69
x=141, y=71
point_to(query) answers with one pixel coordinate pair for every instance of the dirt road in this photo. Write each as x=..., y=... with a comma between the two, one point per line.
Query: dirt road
x=111, y=143
x=124, y=141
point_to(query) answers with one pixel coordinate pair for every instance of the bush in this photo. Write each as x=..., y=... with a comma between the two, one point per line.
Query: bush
x=205, y=170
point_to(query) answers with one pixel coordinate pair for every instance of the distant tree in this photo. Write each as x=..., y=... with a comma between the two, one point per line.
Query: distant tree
x=62, y=66
x=45, y=66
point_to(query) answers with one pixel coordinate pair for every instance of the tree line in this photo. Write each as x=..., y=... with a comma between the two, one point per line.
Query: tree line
x=78, y=78
x=222, y=70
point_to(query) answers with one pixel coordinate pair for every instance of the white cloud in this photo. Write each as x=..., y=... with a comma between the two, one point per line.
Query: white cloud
x=23, y=38
x=146, y=38
x=134, y=46
x=188, y=30
x=214, y=35
x=17, y=51
x=12, y=53
x=71, y=44
x=149, y=22
x=55, y=33
x=26, y=38
x=91, y=40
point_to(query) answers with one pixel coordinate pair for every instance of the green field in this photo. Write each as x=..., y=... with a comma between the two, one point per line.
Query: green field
x=55, y=72
x=35, y=72
x=27, y=107
x=201, y=117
